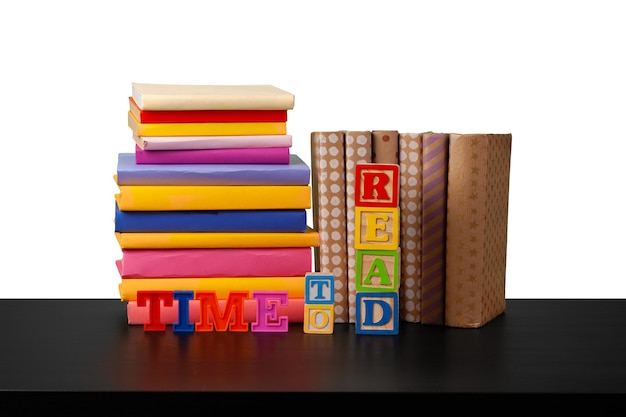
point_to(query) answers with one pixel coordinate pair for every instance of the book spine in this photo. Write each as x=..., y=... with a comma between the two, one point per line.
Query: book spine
x=410, y=156
x=160, y=143
x=214, y=262
x=385, y=146
x=205, y=129
x=434, y=203
x=358, y=150
x=329, y=213
x=131, y=173
x=294, y=311
x=237, y=197
x=207, y=240
x=213, y=156
x=476, y=235
x=210, y=221
x=221, y=285
x=200, y=97
x=205, y=116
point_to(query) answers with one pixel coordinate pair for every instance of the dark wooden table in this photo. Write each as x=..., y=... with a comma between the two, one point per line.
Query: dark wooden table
x=537, y=346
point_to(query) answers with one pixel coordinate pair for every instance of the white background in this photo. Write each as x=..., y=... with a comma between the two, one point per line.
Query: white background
x=552, y=73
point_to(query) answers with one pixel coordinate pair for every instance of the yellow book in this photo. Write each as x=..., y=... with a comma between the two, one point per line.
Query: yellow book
x=212, y=197
x=206, y=129
x=222, y=286
x=206, y=240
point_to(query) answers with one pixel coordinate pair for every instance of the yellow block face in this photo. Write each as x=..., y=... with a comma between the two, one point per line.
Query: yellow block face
x=377, y=228
x=319, y=318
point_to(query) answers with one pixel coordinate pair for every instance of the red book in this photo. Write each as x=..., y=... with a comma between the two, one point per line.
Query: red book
x=205, y=116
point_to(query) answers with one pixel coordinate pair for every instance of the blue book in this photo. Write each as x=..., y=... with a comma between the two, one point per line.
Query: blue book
x=210, y=221
x=296, y=172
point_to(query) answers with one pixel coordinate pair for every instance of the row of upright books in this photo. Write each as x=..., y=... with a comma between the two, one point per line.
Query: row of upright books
x=211, y=201
x=453, y=205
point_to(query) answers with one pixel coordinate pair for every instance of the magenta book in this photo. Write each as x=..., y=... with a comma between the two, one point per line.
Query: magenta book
x=214, y=156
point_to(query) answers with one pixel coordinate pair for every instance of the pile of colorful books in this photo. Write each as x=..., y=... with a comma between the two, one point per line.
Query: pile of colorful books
x=211, y=206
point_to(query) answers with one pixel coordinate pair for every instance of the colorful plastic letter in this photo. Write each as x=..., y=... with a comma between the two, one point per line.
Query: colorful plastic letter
x=183, y=325
x=155, y=297
x=267, y=319
x=209, y=308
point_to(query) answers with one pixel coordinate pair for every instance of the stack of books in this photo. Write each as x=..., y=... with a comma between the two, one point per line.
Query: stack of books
x=211, y=206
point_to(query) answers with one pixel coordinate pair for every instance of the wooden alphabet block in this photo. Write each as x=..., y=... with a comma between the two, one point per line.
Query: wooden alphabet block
x=319, y=318
x=377, y=228
x=320, y=288
x=377, y=271
x=377, y=313
x=377, y=185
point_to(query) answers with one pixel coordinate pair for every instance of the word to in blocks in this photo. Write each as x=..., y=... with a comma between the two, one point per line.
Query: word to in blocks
x=319, y=316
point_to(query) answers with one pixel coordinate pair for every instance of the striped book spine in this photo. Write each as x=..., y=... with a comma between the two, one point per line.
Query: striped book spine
x=434, y=205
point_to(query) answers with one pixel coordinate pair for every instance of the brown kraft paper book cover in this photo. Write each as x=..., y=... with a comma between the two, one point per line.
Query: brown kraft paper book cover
x=358, y=150
x=329, y=213
x=477, y=220
x=410, y=158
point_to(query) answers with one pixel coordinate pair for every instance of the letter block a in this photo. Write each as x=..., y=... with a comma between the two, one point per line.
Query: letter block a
x=377, y=270
x=377, y=185
x=377, y=313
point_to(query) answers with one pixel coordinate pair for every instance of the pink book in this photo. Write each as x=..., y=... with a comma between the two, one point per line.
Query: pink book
x=159, y=143
x=214, y=156
x=215, y=262
x=294, y=311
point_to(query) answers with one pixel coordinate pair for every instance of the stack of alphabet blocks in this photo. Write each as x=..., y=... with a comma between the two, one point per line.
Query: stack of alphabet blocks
x=377, y=248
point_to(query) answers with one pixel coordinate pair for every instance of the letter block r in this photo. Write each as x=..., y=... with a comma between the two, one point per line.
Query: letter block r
x=377, y=185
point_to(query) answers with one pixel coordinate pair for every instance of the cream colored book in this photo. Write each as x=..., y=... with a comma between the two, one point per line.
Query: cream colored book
x=211, y=97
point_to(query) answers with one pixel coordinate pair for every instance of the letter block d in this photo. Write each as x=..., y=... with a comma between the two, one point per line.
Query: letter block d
x=377, y=313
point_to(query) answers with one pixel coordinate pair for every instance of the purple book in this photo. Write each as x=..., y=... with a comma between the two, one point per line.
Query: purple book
x=214, y=156
x=297, y=172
